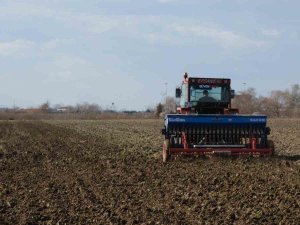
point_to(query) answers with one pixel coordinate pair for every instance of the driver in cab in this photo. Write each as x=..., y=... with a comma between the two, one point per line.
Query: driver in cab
x=206, y=98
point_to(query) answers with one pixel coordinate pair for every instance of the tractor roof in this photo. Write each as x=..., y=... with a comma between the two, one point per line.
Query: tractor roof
x=215, y=81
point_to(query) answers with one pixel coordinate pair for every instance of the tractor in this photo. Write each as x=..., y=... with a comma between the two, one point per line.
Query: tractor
x=206, y=123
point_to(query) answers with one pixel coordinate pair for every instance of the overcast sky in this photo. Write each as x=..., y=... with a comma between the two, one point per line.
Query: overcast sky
x=124, y=51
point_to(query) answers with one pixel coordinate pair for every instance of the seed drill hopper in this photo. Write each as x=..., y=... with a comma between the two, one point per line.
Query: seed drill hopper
x=206, y=123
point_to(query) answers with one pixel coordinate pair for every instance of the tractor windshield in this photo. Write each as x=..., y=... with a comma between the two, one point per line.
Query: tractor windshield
x=208, y=93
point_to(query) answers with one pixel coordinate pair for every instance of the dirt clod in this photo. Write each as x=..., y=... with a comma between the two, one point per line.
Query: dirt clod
x=101, y=172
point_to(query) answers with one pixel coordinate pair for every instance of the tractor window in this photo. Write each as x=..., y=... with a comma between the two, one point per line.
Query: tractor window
x=184, y=95
x=210, y=92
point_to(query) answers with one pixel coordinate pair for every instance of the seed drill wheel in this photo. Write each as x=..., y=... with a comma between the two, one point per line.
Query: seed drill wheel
x=272, y=146
x=166, y=154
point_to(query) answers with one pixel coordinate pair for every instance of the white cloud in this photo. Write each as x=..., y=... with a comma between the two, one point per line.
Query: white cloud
x=152, y=29
x=20, y=9
x=55, y=43
x=222, y=37
x=19, y=47
x=67, y=62
x=61, y=68
x=166, y=1
x=294, y=35
x=93, y=23
x=270, y=32
x=96, y=24
x=13, y=47
x=161, y=38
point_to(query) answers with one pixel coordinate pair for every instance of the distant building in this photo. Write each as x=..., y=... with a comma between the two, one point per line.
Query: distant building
x=61, y=110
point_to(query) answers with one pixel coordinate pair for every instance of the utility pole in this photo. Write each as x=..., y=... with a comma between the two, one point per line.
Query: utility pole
x=166, y=84
x=14, y=105
x=244, y=86
x=113, y=106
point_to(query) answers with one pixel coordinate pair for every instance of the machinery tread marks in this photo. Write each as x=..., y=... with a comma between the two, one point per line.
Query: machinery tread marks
x=166, y=147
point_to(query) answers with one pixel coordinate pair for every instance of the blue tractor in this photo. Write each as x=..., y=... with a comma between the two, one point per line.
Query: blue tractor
x=206, y=123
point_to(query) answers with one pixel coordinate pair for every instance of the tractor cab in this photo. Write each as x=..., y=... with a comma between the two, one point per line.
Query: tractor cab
x=205, y=96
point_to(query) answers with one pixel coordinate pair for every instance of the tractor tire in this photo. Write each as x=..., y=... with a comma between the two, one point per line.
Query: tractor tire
x=272, y=146
x=166, y=154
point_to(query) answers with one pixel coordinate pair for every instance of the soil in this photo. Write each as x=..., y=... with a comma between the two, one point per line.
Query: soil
x=111, y=172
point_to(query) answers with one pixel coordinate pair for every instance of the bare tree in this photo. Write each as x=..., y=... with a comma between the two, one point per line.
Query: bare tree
x=247, y=101
x=170, y=105
x=280, y=103
x=295, y=100
x=88, y=108
x=159, y=109
x=45, y=107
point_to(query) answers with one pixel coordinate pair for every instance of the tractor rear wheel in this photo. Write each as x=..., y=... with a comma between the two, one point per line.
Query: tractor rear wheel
x=272, y=146
x=166, y=153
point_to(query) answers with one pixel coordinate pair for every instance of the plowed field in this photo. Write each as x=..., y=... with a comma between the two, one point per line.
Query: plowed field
x=111, y=172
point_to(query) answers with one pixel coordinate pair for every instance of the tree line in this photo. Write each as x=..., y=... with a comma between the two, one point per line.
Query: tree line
x=279, y=103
